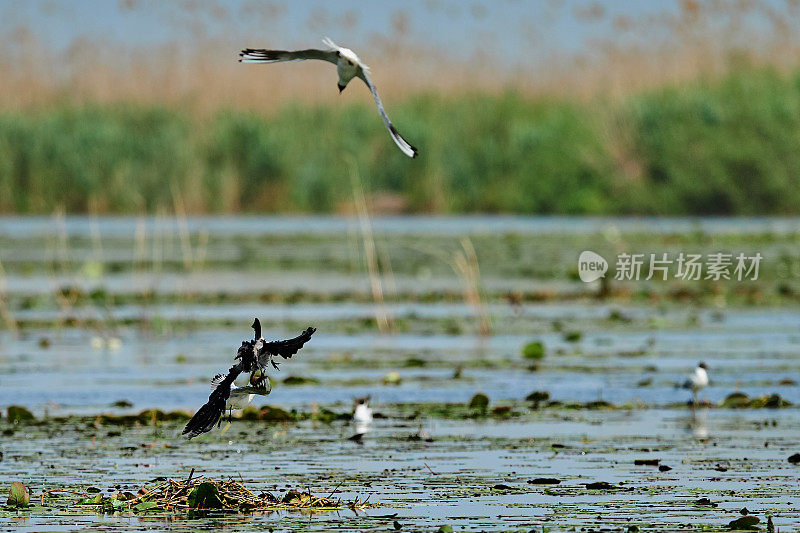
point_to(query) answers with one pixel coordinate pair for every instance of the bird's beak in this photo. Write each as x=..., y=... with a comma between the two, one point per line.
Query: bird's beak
x=341, y=87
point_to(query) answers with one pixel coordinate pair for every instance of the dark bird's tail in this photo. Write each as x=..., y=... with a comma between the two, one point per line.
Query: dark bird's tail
x=207, y=416
x=204, y=419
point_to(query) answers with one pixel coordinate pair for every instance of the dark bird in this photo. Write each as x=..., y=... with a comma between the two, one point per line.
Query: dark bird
x=348, y=66
x=256, y=354
x=253, y=356
x=211, y=413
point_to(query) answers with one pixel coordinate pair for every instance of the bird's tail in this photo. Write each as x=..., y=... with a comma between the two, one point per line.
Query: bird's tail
x=204, y=420
x=330, y=44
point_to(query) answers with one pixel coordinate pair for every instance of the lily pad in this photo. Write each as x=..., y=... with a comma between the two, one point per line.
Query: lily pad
x=17, y=413
x=533, y=350
x=479, y=402
x=18, y=495
x=537, y=396
x=144, y=506
x=601, y=485
x=746, y=522
x=205, y=496
x=295, y=381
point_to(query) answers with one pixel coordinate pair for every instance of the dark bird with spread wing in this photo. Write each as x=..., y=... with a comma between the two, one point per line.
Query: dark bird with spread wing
x=253, y=356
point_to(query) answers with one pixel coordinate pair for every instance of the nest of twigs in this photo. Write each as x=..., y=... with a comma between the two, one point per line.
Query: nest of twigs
x=205, y=493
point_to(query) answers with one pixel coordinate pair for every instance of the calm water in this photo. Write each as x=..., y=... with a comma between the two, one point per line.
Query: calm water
x=101, y=310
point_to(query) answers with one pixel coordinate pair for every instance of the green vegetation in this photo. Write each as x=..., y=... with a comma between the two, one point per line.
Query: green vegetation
x=723, y=146
x=533, y=350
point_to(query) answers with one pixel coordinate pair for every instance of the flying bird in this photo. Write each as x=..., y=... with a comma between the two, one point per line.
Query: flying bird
x=347, y=65
x=253, y=356
x=211, y=413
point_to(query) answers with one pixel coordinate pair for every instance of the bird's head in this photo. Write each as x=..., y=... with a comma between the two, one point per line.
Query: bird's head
x=363, y=400
x=703, y=366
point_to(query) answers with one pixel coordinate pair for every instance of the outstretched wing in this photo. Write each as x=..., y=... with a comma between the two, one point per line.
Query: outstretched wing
x=286, y=348
x=207, y=416
x=398, y=139
x=260, y=55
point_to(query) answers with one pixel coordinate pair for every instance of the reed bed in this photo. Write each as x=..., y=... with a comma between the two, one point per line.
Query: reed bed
x=722, y=147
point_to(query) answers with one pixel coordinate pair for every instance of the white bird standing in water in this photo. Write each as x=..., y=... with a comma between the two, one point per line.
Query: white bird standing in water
x=697, y=381
x=363, y=412
x=347, y=65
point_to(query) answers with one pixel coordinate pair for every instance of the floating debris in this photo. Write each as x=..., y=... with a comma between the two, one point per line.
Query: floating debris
x=794, y=459
x=544, y=481
x=205, y=493
x=646, y=462
x=392, y=378
x=705, y=502
x=603, y=485
x=740, y=400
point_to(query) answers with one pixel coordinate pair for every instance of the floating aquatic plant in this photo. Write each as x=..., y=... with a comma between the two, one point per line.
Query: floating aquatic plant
x=205, y=493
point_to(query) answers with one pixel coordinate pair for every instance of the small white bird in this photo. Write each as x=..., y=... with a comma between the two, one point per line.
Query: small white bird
x=697, y=381
x=347, y=65
x=362, y=414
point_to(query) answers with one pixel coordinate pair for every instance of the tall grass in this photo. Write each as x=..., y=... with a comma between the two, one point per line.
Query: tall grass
x=721, y=146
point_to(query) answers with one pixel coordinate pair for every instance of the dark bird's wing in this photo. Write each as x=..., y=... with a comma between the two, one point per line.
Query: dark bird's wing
x=398, y=139
x=285, y=349
x=210, y=414
x=260, y=55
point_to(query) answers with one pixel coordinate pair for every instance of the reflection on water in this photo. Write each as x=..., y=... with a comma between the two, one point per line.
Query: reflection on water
x=698, y=423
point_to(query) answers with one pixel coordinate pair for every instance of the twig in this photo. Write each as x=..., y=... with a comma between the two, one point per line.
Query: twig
x=61, y=490
x=429, y=468
x=334, y=490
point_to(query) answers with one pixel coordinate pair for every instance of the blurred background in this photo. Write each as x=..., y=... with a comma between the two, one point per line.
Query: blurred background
x=686, y=107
